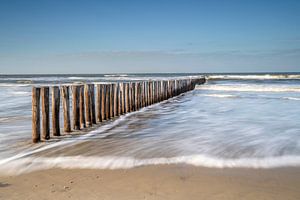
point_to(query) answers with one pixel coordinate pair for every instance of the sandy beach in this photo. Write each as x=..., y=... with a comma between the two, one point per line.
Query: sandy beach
x=154, y=182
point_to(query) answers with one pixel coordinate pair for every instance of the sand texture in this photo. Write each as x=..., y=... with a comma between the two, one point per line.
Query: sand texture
x=154, y=182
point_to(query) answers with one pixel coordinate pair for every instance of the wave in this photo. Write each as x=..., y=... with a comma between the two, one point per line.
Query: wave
x=29, y=164
x=13, y=85
x=292, y=98
x=116, y=75
x=254, y=77
x=220, y=95
x=12, y=119
x=248, y=88
x=20, y=93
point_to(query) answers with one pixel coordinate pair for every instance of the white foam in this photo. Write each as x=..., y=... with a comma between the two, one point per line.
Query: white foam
x=20, y=93
x=30, y=164
x=249, y=88
x=220, y=95
x=115, y=75
x=292, y=98
x=256, y=77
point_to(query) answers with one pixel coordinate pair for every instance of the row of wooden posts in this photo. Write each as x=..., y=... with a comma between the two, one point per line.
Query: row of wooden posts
x=112, y=100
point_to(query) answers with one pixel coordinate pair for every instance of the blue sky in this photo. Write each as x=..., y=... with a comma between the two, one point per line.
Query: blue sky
x=149, y=36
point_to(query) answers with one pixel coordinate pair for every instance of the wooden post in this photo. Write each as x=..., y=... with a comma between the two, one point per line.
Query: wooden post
x=55, y=110
x=156, y=91
x=88, y=114
x=112, y=98
x=81, y=106
x=110, y=101
x=118, y=99
x=126, y=94
x=173, y=88
x=107, y=101
x=98, y=103
x=137, y=96
x=121, y=99
x=147, y=93
x=130, y=97
x=92, y=99
x=45, y=113
x=161, y=91
x=133, y=96
x=150, y=92
x=144, y=93
x=66, y=107
x=140, y=94
x=103, y=101
x=36, y=124
x=116, y=102
x=75, y=107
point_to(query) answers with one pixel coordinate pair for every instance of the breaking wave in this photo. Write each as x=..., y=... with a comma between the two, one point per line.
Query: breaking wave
x=220, y=95
x=29, y=164
x=292, y=98
x=249, y=88
x=255, y=77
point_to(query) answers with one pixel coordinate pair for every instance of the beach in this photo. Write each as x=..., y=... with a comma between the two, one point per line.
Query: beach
x=234, y=137
x=155, y=182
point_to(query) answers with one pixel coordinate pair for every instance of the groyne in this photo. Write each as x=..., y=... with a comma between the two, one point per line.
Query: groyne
x=84, y=105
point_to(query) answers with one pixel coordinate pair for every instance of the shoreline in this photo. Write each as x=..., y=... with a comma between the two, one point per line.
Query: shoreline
x=178, y=181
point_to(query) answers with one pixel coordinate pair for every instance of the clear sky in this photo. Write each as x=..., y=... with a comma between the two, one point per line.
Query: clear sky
x=149, y=36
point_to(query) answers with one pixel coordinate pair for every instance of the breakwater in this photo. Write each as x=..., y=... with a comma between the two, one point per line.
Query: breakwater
x=84, y=105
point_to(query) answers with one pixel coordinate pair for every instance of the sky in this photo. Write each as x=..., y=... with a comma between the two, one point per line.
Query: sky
x=196, y=36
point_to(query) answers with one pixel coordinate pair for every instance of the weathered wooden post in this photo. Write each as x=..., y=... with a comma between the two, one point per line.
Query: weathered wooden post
x=36, y=124
x=103, y=101
x=119, y=99
x=55, y=110
x=123, y=98
x=98, y=102
x=161, y=91
x=107, y=101
x=75, y=107
x=112, y=98
x=81, y=106
x=126, y=95
x=66, y=107
x=120, y=108
x=116, y=102
x=133, y=99
x=145, y=93
x=158, y=91
x=173, y=88
x=137, y=95
x=45, y=113
x=155, y=92
x=130, y=97
x=92, y=99
x=88, y=114
x=142, y=94
x=110, y=102
x=166, y=90
x=150, y=92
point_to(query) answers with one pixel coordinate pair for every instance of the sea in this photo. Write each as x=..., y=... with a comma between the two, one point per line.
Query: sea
x=231, y=121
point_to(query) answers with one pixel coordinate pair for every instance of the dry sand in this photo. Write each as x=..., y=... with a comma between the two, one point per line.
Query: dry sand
x=154, y=182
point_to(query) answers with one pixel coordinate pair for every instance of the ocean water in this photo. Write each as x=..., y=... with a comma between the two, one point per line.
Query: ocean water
x=234, y=120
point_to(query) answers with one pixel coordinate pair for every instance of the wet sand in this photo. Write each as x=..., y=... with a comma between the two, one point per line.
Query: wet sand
x=154, y=182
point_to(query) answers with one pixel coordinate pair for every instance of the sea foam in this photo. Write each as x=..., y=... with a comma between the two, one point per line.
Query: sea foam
x=249, y=88
x=30, y=164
